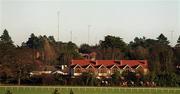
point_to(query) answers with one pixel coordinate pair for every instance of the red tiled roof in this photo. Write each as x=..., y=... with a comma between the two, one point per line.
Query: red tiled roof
x=107, y=63
x=86, y=66
x=132, y=63
x=111, y=66
x=80, y=62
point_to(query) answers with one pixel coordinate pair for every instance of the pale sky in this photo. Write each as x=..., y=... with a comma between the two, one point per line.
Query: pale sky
x=124, y=18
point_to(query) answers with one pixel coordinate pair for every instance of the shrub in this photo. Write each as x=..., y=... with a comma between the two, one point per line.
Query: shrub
x=8, y=92
x=71, y=91
x=55, y=92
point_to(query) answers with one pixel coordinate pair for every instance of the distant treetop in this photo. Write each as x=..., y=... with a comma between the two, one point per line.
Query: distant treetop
x=162, y=39
x=5, y=37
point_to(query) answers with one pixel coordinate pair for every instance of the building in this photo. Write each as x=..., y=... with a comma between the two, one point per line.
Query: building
x=105, y=68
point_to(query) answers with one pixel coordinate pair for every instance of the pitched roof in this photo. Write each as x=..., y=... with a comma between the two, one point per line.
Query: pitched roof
x=112, y=66
x=132, y=63
x=80, y=62
x=105, y=62
x=110, y=63
x=75, y=65
x=96, y=62
x=99, y=66
x=136, y=66
x=87, y=66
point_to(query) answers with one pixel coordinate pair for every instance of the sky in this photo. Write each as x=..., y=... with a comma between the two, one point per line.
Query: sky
x=124, y=18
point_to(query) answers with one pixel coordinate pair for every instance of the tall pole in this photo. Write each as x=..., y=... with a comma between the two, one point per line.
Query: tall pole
x=89, y=26
x=58, y=14
x=172, y=37
x=96, y=40
x=71, y=35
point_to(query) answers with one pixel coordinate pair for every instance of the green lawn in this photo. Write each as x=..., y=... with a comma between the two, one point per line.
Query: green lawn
x=87, y=90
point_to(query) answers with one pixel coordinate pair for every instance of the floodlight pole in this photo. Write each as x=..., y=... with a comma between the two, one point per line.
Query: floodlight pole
x=89, y=26
x=58, y=14
x=172, y=36
x=71, y=35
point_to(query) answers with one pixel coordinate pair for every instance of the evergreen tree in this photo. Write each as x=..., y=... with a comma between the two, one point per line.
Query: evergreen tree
x=178, y=41
x=5, y=37
x=51, y=39
x=162, y=39
x=113, y=43
x=33, y=42
x=6, y=54
x=5, y=40
x=85, y=48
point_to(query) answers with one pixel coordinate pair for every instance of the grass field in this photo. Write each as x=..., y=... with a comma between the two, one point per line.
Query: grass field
x=86, y=90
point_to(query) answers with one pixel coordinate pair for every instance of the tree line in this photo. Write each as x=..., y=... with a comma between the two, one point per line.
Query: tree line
x=16, y=62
